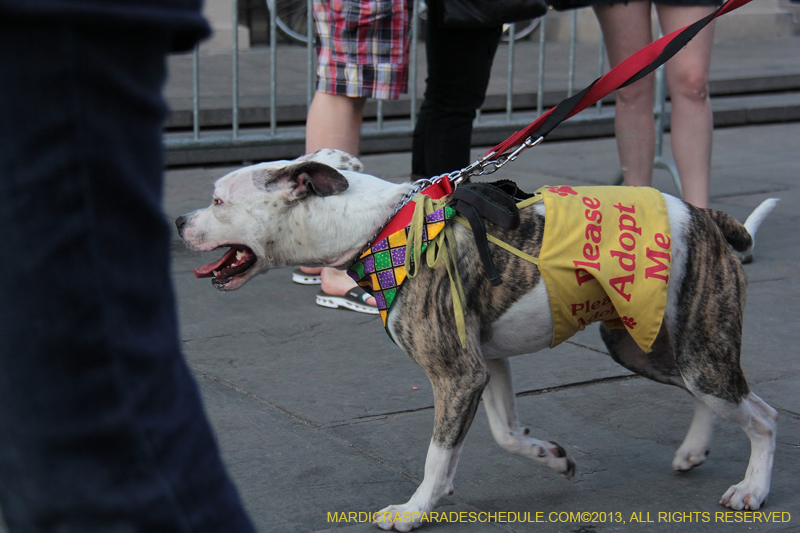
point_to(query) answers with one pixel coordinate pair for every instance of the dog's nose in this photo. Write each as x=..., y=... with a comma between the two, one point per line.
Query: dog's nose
x=180, y=222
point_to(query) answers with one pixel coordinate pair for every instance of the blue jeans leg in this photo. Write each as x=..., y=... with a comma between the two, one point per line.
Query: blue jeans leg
x=101, y=424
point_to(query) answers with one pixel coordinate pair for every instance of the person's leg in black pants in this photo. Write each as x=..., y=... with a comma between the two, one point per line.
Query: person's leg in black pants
x=101, y=424
x=459, y=64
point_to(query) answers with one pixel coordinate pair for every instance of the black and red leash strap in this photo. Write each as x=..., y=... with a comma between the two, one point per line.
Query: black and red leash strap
x=627, y=72
x=630, y=70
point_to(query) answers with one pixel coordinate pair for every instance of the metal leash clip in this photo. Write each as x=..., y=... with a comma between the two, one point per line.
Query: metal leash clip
x=488, y=165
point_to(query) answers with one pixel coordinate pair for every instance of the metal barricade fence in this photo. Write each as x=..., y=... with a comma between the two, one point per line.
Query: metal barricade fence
x=277, y=140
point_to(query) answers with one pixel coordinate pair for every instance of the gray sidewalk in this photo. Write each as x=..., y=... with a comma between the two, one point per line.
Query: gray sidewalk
x=318, y=412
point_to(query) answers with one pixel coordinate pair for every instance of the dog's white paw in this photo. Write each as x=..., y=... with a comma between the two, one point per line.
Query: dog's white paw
x=399, y=517
x=562, y=463
x=569, y=468
x=745, y=496
x=687, y=458
x=555, y=456
x=547, y=453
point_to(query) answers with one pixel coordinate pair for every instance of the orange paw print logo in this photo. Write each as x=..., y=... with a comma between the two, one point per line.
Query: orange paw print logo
x=629, y=322
x=564, y=190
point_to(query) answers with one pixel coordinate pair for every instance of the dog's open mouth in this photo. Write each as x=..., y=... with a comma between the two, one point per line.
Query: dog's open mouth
x=236, y=261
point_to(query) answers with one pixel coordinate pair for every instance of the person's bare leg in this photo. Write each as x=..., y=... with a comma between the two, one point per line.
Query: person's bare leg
x=334, y=121
x=691, y=119
x=323, y=130
x=626, y=29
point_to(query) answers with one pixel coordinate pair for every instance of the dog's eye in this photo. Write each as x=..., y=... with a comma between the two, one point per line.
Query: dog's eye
x=216, y=201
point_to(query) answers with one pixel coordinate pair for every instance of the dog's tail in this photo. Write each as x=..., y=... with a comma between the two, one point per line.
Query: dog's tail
x=741, y=237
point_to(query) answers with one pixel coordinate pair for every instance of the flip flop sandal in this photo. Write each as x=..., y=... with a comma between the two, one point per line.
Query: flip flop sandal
x=298, y=276
x=355, y=300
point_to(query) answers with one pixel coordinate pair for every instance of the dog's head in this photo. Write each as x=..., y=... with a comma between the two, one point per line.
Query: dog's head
x=259, y=212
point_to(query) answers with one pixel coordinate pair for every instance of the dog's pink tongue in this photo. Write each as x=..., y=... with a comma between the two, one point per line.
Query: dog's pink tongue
x=207, y=271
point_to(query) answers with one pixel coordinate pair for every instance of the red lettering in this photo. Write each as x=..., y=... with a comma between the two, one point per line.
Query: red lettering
x=598, y=315
x=593, y=203
x=584, y=264
x=619, y=285
x=587, y=252
x=629, y=239
x=582, y=276
x=591, y=252
x=596, y=216
x=628, y=223
x=653, y=271
x=662, y=241
x=593, y=233
x=623, y=209
x=626, y=261
x=585, y=307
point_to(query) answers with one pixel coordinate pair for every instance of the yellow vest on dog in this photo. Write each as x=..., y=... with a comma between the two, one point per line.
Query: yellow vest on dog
x=606, y=256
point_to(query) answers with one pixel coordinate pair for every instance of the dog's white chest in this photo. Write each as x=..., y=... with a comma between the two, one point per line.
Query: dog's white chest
x=526, y=327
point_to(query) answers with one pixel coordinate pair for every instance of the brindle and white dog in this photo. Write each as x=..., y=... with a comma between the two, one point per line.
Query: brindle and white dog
x=320, y=210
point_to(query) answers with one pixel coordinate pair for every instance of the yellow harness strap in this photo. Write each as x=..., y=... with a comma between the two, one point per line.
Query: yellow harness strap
x=530, y=201
x=442, y=249
x=502, y=244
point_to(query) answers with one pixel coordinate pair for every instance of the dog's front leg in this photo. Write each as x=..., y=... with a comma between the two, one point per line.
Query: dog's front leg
x=440, y=468
x=458, y=377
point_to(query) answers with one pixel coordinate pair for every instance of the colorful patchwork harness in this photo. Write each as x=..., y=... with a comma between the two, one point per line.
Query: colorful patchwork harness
x=383, y=268
x=618, y=257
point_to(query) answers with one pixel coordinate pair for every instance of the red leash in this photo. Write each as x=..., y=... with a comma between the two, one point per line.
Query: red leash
x=630, y=70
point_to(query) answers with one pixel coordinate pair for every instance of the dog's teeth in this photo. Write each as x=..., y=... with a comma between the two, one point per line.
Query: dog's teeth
x=239, y=255
x=216, y=273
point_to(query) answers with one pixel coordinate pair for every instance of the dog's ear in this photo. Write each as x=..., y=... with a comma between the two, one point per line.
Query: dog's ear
x=313, y=177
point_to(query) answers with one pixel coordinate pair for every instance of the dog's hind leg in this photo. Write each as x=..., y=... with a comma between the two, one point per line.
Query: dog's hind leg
x=697, y=443
x=498, y=400
x=706, y=332
x=759, y=422
x=659, y=365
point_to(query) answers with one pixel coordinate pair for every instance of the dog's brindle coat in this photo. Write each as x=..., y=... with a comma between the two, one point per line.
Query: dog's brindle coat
x=304, y=212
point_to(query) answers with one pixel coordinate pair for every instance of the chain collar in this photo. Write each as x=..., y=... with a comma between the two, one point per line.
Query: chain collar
x=419, y=185
x=481, y=167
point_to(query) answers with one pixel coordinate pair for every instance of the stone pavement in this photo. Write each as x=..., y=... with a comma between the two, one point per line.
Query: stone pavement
x=318, y=412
